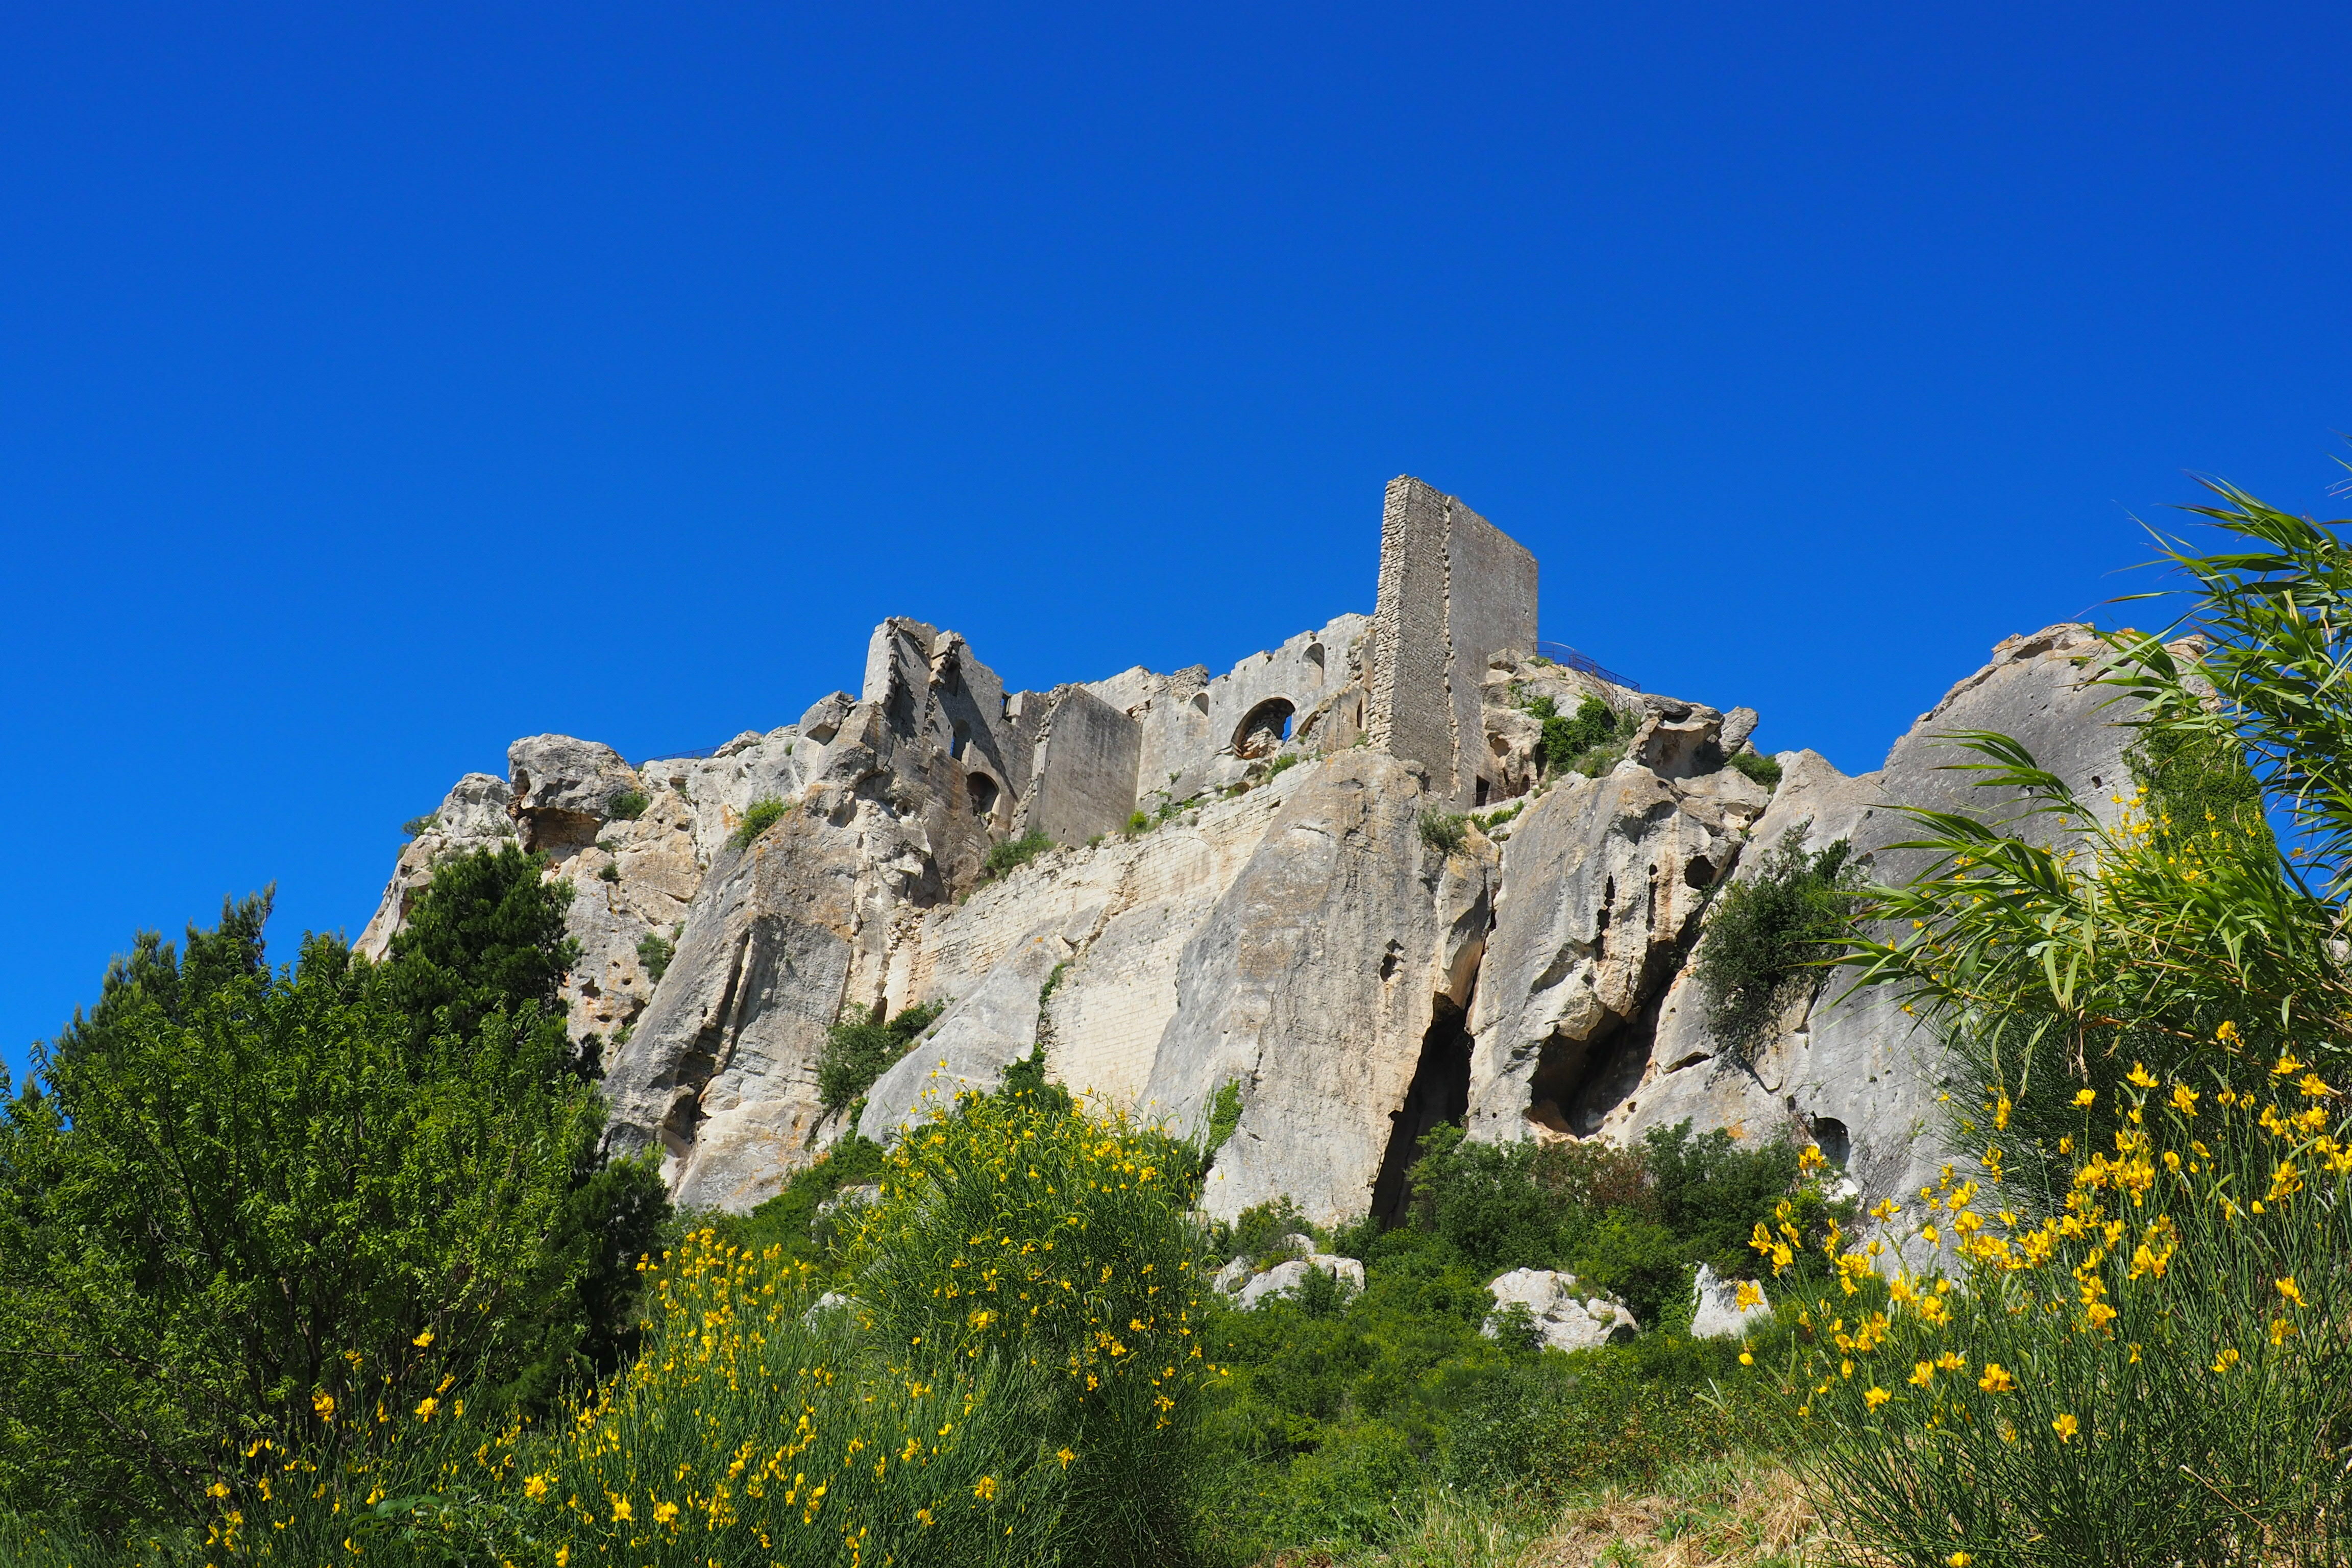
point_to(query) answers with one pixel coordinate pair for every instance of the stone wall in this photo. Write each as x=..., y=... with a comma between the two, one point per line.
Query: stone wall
x=1454, y=591
x=1083, y=779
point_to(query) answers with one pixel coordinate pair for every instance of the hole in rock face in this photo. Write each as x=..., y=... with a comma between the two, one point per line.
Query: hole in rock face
x=1484, y=789
x=983, y=792
x=1264, y=729
x=1440, y=1091
x=962, y=738
x=1831, y=1134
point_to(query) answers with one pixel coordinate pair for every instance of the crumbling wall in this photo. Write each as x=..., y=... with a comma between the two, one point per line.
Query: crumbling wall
x=1454, y=591
x=1084, y=762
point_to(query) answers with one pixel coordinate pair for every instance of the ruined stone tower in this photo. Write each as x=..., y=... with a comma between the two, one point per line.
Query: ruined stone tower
x=1454, y=591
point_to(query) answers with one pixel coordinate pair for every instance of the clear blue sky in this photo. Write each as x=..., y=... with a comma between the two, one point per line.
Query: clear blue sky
x=378, y=384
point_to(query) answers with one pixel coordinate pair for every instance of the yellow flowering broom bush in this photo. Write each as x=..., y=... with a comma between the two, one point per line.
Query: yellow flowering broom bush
x=932, y=1419
x=1021, y=1230
x=2159, y=1370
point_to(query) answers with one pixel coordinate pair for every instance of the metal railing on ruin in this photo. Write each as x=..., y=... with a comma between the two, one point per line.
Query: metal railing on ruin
x=1584, y=664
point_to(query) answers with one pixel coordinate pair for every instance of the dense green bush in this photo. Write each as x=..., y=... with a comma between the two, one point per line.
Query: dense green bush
x=1764, y=770
x=862, y=1047
x=1768, y=936
x=654, y=951
x=233, y=1199
x=1012, y=853
x=626, y=805
x=758, y=817
x=418, y=826
x=1443, y=831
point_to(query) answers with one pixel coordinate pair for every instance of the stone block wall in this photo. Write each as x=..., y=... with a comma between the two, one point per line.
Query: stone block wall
x=1454, y=590
x=1083, y=776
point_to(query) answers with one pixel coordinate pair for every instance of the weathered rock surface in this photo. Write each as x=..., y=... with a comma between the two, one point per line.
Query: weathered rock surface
x=1603, y=884
x=1717, y=1312
x=1567, y=1315
x=1852, y=1072
x=1314, y=984
x=1280, y=920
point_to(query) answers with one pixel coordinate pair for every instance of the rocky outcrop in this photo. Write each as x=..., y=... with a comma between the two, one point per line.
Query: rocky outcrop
x=1315, y=985
x=1289, y=1278
x=1602, y=885
x=1564, y=1314
x=1852, y=1072
x=1259, y=883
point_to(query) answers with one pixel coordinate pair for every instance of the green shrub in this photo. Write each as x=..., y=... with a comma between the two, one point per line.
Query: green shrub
x=232, y=1190
x=761, y=816
x=610, y=871
x=862, y=1047
x=418, y=826
x=789, y=1222
x=1443, y=831
x=1287, y=759
x=1764, y=770
x=1225, y=1117
x=654, y=951
x=1139, y=822
x=1012, y=853
x=626, y=805
x=1767, y=937
x=1552, y=1425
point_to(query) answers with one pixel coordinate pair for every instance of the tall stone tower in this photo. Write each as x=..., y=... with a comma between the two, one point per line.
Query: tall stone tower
x=1454, y=590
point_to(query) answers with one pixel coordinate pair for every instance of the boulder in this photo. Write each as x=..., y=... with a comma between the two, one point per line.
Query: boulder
x=563, y=788
x=1567, y=1315
x=1718, y=1314
x=1289, y=1278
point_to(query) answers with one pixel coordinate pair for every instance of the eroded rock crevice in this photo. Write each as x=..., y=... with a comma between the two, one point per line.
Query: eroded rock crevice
x=1440, y=1093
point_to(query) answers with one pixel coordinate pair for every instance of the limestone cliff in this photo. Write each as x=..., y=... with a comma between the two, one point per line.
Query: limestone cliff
x=1335, y=877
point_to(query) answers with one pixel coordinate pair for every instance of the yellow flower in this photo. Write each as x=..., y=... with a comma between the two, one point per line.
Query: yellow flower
x=984, y=1489
x=2226, y=1033
x=1996, y=1379
x=923, y=1517
x=2086, y=1097
x=1066, y=1455
x=1811, y=1160
x=2139, y=1077
x=534, y=1487
x=2315, y=1085
x=620, y=1508
x=564, y=1556
x=2184, y=1099
x=664, y=1512
x=1874, y=1397
x=2000, y=1110
x=2225, y=1361
x=425, y=1411
x=324, y=1404
x=2065, y=1426
x=423, y=1340
x=1959, y=1560
x=1746, y=1358
x=2286, y=1065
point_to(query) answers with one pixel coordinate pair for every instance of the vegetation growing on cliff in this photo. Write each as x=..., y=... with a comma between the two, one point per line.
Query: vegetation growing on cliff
x=862, y=1047
x=1768, y=936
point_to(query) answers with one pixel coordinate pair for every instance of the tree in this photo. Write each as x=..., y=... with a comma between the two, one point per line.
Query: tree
x=236, y=1202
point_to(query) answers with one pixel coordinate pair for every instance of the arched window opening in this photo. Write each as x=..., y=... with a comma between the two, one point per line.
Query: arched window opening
x=1264, y=729
x=983, y=792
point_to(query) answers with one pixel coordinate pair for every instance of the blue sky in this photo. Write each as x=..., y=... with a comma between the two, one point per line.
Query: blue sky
x=378, y=384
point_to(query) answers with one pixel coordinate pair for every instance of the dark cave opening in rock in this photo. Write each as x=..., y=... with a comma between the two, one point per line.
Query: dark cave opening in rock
x=1440, y=1091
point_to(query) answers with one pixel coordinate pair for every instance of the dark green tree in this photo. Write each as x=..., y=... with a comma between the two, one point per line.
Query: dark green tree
x=239, y=1203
